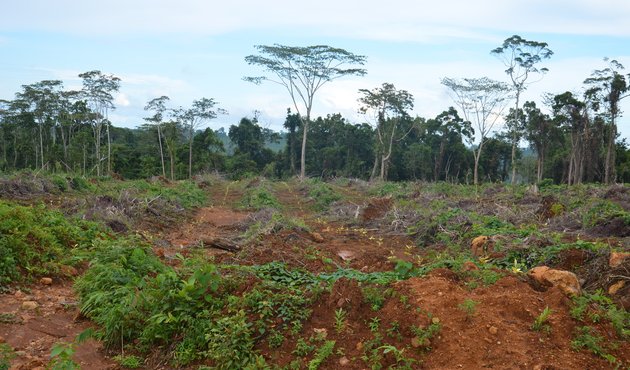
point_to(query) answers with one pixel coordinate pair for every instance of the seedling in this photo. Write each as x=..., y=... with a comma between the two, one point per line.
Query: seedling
x=340, y=320
x=540, y=323
x=469, y=306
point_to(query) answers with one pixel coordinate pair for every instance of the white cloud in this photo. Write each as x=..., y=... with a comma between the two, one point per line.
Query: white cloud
x=121, y=100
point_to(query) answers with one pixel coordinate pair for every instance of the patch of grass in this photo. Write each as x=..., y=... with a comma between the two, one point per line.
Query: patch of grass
x=541, y=322
x=587, y=338
x=128, y=361
x=259, y=198
x=469, y=307
x=322, y=194
x=603, y=211
x=6, y=355
x=321, y=354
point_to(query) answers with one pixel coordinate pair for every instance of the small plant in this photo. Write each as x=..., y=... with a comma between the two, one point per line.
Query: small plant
x=321, y=354
x=469, y=306
x=402, y=362
x=587, y=338
x=340, y=320
x=129, y=361
x=394, y=330
x=6, y=355
x=374, y=324
x=302, y=348
x=61, y=353
x=540, y=323
x=275, y=339
x=423, y=335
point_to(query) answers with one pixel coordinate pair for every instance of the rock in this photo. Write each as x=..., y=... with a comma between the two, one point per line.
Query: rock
x=479, y=246
x=564, y=280
x=493, y=330
x=29, y=305
x=435, y=320
x=46, y=281
x=359, y=346
x=617, y=258
x=2, y=339
x=317, y=237
x=344, y=361
x=613, y=289
x=469, y=266
x=346, y=255
x=18, y=294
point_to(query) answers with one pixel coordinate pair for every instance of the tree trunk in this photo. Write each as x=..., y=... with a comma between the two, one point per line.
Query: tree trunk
x=190, y=145
x=41, y=145
x=303, y=155
x=97, y=147
x=609, y=174
x=477, y=155
x=161, y=151
x=375, y=167
x=109, y=151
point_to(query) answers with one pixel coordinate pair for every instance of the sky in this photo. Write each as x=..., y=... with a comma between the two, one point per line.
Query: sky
x=189, y=49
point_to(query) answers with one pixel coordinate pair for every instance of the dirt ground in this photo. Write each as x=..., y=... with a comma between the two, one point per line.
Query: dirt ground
x=496, y=335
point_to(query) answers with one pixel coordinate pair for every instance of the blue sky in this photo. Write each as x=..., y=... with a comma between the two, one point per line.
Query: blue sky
x=192, y=49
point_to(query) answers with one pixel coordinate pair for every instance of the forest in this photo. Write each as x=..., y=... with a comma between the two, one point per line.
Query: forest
x=47, y=127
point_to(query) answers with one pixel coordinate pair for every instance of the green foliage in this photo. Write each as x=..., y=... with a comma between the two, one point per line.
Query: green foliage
x=129, y=361
x=374, y=324
x=61, y=357
x=540, y=323
x=322, y=194
x=321, y=354
x=6, y=355
x=596, y=306
x=36, y=241
x=469, y=306
x=587, y=338
x=424, y=335
x=602, y=212
x=402, y=362
x=340, y=320
x=302, y=348
x=259, y=198
x=273, y=224
x=375, y=296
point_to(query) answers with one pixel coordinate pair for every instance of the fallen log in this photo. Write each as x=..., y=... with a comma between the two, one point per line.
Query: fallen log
x=220, y=243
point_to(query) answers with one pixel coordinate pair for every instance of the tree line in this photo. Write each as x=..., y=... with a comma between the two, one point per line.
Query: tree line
x=480, y=138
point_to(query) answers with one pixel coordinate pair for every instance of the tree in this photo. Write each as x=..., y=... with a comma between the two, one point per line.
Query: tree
x=444, y=134
x=158, y=106
x=202, y=110
x=539, y=129
x=481, y=100
x=97, y=91
x=292, y=123
x=303, y=71
x=608, y=87
x=41, y=100
x=389, y=107
x=520, y=56
x=570, y=113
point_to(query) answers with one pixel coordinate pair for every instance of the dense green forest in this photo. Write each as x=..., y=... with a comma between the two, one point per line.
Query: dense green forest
x=46, y=127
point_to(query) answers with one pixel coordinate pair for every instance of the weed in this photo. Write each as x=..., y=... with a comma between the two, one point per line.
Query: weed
x=275, y=339
x=540, y=323
x=375, y=296
x=302, y=348
x=402, y=362
x=394, y=330
x=588, y=338
x=321, y=354
x=61, y=353
x=6, y=355
x=322, y=194
x=374, y=324
x=129, y=361
x=469, y=306
x=259, y=198
x=423, y=335
x=340, y=320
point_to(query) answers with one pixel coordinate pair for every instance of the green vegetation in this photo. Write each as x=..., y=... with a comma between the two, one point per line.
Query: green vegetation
x=469, y=306
x=541, y=322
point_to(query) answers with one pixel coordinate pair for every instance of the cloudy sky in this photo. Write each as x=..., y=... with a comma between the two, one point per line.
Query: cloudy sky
x=191, y=49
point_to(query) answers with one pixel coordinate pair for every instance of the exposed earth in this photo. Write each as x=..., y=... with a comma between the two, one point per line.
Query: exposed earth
x=481, y=325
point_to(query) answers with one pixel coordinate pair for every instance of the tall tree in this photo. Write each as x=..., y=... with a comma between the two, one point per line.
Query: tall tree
x=303, y=71
x=570, y=113
x=482, y=101
x=389, y=107
x=41, y=100
x=520, y=56
x=202, y=111
x=158, y=107
x=97, y=91
x=539, y=130
x=608, y=87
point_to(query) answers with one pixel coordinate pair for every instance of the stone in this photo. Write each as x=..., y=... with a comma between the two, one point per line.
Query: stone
x=29, y=305
x=613, y=289
x=359, y=346
x=317, y=237
x=18, y=294
x=479, y=245
x=46, y=281
x=2, y=339
x=469, y=266
x=493, y=330
x=566, y=281
x=617, y=258
x=435, y=320
x=346, y=255
x=344, y=361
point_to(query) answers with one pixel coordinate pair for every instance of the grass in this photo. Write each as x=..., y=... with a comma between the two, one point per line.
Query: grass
x=541, y=322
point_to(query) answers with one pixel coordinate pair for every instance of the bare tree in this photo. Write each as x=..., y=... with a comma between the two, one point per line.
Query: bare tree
x=158, y=106
x=482, y=101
